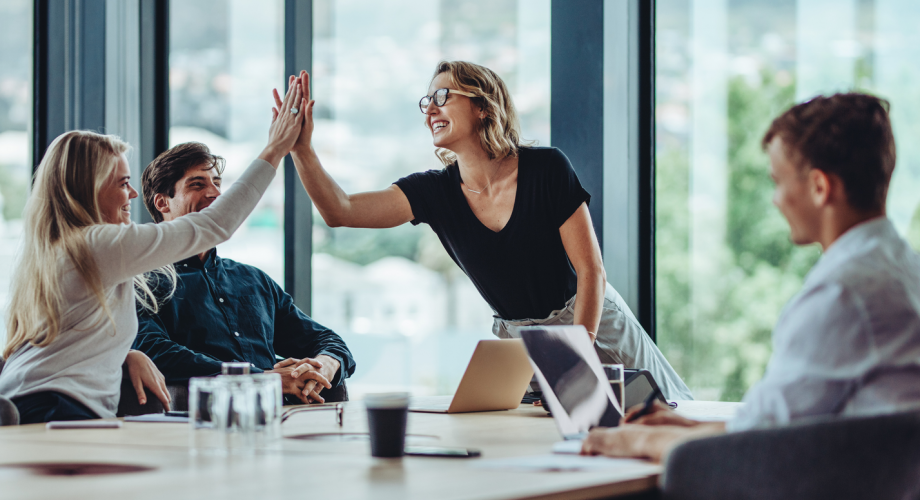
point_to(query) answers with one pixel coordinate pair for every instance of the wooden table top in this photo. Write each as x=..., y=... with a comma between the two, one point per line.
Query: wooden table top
x=331, y=466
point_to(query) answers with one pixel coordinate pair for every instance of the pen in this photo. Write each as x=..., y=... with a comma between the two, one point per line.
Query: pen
x=646, y=407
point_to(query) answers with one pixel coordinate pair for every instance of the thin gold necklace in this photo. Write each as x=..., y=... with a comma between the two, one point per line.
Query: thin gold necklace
x=490, y=179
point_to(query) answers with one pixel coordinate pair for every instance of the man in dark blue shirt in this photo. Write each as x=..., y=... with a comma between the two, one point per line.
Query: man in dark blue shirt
x=223, y=310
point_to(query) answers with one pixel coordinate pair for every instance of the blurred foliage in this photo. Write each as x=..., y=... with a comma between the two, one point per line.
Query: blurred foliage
x=363, y=246
x=719, y=341
x=14, y=189
x=913, y=234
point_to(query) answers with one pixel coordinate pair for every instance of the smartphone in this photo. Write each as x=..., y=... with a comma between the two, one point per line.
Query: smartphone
x=435, y=451
x=177, y=414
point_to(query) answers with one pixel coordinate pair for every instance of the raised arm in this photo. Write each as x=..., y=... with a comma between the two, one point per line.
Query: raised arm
x=126, y=250
x=385, y=208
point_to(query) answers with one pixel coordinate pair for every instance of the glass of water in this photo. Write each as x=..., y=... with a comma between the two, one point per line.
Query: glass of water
x=240, y=425
x=267, y=401
x=614, y=375
x=208, y=405
x=234, y=413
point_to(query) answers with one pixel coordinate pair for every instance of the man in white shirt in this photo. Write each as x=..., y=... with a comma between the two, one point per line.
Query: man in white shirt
x=849, y=343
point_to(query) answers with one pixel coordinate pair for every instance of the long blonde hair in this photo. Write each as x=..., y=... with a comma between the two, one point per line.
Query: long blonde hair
x=500, y=129
x=63, y=205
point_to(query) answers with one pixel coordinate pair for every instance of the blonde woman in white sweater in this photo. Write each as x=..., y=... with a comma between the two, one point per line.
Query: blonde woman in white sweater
x=72, y=317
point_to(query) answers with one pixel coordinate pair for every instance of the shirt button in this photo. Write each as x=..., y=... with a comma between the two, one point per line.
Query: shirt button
x=221, y=300
x=184, y=265
x=252, y=365
x=236, y=333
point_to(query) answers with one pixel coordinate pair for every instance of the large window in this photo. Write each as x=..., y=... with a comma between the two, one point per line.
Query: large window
x=15, y=147
x=408, y=313
x=725, y=265
x=225, y=57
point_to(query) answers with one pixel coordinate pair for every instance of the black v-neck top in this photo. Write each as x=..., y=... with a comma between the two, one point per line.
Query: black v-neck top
x=522, y=271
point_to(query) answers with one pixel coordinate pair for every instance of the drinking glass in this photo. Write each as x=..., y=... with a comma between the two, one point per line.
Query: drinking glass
x=234, y=368
x=614, y=375
x=240, y=425
x=267, y=403
x=208, y=405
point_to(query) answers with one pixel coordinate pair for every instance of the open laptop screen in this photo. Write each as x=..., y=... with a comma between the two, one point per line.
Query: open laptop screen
x=571, y=377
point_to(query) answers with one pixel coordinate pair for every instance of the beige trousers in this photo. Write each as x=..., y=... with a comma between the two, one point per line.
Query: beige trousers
x=620, y=339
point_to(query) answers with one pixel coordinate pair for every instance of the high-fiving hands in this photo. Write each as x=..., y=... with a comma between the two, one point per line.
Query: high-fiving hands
x=287, y=123
x=302, y=80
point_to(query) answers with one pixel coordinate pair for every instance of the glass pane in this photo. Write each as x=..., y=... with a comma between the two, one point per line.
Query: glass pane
x=408, y=313
x=15, y=142
x=724, y=69
x=224, y=59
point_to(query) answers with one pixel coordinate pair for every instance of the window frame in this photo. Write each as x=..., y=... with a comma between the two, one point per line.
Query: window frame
x=587, y=52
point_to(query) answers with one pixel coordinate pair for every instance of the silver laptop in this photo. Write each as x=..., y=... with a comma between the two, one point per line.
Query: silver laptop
x=573, y=382
x=495, y=379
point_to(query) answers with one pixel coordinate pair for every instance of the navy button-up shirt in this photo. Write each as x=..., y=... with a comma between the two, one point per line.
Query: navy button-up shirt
x=226, y=311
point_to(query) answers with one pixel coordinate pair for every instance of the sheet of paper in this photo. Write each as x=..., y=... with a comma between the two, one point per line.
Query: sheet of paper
x=544, y=463
x=571, y=447
x=711, y=418
x=157, y=417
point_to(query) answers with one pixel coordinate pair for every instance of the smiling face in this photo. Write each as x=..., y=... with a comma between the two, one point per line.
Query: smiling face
x=456, y=122
x=116, y=194
x=195, y=191
x=795, y=193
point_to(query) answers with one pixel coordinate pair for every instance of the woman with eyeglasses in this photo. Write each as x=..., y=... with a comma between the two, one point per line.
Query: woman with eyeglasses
x=513, y=217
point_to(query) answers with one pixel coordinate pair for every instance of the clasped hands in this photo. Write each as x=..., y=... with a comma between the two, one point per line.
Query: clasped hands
x=306, y=378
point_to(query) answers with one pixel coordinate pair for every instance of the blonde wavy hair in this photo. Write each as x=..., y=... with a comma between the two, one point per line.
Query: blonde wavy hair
x=63, y=205
x=500, y=129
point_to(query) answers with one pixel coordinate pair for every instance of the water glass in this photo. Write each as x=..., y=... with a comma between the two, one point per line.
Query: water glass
x=234, y=368
x=234, y=413
x=208, y=405
x=614, y=375
x=267, y=403
x=240, y=425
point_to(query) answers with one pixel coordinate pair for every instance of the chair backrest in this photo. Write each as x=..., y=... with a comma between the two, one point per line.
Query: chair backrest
x=128, y=404
x=843, y=458
x=9, y=414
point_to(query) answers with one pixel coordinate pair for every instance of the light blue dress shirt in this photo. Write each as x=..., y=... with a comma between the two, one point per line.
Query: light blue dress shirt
x=849, y=343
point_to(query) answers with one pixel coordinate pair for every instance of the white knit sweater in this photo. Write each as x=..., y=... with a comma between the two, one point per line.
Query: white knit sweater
x=85, y=361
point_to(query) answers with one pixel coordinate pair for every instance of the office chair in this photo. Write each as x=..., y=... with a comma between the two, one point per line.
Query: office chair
x=9, y=414
x=840, y=458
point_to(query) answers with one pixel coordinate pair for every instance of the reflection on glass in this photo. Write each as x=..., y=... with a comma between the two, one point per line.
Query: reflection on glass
x=407, y=312
x=724, y=262
x=15, y=121
x=224, y=59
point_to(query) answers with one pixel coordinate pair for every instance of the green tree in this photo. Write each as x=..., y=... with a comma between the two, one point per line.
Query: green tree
x=722, y=346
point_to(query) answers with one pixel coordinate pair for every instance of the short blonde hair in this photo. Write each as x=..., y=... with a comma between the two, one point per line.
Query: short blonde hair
x=500, y=130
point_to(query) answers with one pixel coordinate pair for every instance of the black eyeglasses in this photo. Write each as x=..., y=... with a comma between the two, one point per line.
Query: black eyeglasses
x=440, y=98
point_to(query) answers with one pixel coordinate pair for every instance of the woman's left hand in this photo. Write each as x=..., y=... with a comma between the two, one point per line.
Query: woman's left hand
x=144, y=373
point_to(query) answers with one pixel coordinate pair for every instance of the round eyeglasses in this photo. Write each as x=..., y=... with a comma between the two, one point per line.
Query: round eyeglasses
x=440, y=98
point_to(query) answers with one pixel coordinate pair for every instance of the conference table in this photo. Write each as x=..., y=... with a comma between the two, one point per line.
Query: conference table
x=319, y=458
